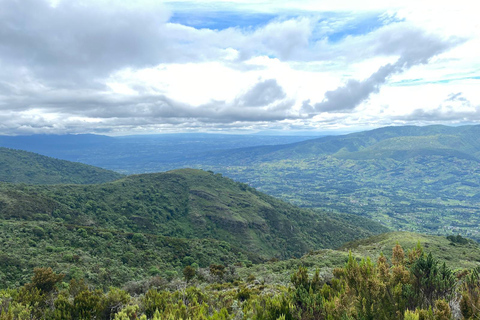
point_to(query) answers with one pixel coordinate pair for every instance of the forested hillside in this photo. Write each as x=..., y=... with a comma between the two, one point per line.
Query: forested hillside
x=139, y=225
x=188, y=204
x=19, y=166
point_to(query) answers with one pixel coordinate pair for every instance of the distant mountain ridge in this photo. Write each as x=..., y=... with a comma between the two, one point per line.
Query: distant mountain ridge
x=392, y=142
x=18, y=166
x=137, y=153
x=422, y=179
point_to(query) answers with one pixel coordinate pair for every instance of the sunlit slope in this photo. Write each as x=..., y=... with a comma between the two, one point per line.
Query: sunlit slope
x=394, y=142
x=461, y=253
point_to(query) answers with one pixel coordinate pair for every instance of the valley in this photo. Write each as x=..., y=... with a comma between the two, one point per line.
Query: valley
x=421, y=179
x=214, y=243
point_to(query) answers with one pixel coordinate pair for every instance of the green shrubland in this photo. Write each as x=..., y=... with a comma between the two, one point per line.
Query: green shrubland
x=406, y=285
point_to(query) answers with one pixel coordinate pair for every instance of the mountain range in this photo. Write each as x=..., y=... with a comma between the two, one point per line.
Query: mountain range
x=422, y=179
x=403, y=178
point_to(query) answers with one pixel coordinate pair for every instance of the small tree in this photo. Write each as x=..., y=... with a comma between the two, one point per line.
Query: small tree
x=217, y=270
x=45, y=280
x=189, y=273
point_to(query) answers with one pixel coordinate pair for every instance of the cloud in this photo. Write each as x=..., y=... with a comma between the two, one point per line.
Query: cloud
x=415, y=47
x=62, y=111
x=455, y=108
x=80, y=38
x=261, y=94
x=113, y=65
x=457, y=97
x=354, y=92
x=83, y=39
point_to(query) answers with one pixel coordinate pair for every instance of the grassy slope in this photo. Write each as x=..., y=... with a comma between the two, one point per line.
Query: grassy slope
x=456, y=256
x=18, y=166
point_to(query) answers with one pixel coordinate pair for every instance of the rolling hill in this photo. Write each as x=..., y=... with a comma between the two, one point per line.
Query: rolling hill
x=149, y=224
x=389, y=142
x=186, y=203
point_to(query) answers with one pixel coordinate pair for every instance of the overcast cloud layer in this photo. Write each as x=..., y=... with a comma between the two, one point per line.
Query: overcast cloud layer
x=115, y=68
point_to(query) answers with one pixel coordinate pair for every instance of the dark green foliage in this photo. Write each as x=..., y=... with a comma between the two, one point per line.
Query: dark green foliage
x=307, y=295
x=217, y=271
x=432, y=280
x=104, y=258
x=183, y=204
x=458, y=239
x=189, y=273
x=20, y=166
x=45, y=280
x=470, y=291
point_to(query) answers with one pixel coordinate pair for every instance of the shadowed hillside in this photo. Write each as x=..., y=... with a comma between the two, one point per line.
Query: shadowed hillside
x=19, y=166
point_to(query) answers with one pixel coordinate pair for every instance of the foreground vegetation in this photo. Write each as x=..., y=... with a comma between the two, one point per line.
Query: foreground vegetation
x=104, y=257
x=409, y=285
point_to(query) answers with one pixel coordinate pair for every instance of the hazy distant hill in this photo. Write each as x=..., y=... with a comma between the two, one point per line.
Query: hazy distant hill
x=20, y=166
x=138, y=153
x=423, y=179
x=390, y=142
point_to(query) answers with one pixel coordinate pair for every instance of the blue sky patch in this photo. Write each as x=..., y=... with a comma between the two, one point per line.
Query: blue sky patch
x=221, y=20
x=357, y=27
x=414, y=82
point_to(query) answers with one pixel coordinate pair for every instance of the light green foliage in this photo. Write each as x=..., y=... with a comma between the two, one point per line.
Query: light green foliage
x=129, y=313
x=360, y=290
x=410, y=315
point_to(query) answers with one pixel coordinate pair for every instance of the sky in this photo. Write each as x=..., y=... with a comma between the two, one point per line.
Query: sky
x=239, y=66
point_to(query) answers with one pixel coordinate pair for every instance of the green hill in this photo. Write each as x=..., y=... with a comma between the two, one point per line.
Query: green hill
x=157, y=223
x=18, y=166
x=189, y=204
x=422, y=179
x=387, y=142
